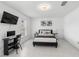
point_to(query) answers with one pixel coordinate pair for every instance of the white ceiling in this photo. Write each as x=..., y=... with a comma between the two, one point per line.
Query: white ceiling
x=30, y=8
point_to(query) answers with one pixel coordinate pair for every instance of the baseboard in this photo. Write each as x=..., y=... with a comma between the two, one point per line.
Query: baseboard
x=72, y=43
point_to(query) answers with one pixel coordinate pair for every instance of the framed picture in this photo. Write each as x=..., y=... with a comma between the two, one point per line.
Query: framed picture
x=49, y=23
x=46, y=23
x=43, y=23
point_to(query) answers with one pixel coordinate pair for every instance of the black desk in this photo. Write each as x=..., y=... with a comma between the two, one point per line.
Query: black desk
x=9, y=44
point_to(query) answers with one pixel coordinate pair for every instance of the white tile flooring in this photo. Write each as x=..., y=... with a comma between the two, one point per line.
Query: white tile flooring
x=65, y=49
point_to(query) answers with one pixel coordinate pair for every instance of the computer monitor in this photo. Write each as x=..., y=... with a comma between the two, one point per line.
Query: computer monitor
x=10, y=33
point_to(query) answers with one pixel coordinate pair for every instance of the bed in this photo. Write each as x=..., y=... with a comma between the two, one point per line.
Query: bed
x=45, y=37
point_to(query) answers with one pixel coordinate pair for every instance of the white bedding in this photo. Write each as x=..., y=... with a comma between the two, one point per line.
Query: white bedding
x=46, y=34
x=44, y=40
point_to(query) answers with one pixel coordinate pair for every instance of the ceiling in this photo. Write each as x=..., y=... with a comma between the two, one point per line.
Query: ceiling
x=30, y=8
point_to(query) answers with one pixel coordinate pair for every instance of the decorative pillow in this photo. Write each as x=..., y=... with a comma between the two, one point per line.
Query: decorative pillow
x=45, y=31
x=48, y=32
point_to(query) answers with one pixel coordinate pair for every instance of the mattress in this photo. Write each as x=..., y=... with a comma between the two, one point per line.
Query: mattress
x=44, y=40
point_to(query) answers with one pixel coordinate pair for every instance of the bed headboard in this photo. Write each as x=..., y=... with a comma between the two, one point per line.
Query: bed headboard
x=46, y=31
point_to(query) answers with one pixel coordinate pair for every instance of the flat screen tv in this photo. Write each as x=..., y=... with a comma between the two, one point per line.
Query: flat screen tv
x=9, y=18
x=10, y=33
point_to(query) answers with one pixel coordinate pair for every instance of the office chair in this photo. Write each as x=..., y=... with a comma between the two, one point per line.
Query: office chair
x=17, y=43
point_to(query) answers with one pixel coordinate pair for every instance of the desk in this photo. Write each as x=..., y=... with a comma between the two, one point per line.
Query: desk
x=9, y=44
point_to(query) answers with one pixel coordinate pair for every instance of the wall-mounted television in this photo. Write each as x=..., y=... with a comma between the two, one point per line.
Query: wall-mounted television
x=9, y=18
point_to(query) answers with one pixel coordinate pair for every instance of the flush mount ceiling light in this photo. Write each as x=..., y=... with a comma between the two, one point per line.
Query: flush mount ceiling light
x=63, y=3
x=44, y=7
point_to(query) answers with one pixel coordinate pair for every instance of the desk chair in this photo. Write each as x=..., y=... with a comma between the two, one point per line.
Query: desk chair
x=17, y=43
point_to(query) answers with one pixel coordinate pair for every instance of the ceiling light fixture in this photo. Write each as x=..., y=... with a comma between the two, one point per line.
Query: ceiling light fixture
x=63, y=3
x=44, y=7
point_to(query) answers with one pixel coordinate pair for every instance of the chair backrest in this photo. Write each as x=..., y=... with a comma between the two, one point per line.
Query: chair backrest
x=18, y=36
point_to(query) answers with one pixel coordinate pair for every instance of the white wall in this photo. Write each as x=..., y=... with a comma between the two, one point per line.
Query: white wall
x=71, y=27
x=19, y=28
x=29, y=28
x=57, y=25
